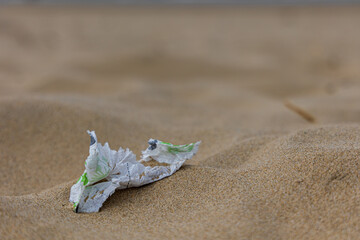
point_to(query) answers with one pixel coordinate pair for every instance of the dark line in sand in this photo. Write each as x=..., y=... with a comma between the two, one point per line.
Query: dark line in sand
x=304, y=114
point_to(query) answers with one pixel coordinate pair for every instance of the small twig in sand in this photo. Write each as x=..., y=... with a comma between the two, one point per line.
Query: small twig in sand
x=307, y=116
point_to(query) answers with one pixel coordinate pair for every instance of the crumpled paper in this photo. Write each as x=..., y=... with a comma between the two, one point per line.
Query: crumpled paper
x=107, y=170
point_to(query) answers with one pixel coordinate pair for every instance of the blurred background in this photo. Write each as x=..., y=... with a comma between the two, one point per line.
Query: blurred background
x=235, y=56
x=277, y=48
x=229, y=59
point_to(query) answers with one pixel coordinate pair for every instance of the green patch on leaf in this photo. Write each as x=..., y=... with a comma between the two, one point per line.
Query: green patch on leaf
x=174, y=149
x=75, y=205
x=84, y=179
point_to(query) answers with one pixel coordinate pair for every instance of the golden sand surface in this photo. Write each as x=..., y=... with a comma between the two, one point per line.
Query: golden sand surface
x=273, y=93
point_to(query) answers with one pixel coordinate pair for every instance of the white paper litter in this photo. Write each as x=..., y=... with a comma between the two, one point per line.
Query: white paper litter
x=107, y=170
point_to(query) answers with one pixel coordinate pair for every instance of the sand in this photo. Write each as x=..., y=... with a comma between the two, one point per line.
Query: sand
x=273, y=93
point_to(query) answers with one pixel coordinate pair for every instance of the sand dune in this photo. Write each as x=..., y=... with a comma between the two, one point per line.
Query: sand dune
x=288, y=186
x=272, y=93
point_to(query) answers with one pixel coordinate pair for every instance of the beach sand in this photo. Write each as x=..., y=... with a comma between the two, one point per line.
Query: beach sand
x=272, y=93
